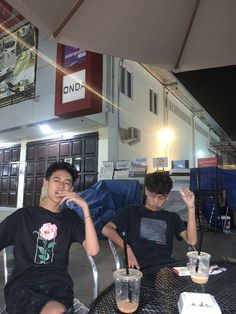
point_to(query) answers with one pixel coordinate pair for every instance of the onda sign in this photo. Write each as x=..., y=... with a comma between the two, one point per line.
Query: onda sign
x=73, y=87
x=78, y=85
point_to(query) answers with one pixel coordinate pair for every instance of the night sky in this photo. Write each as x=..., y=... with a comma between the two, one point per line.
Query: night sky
x=215, y=90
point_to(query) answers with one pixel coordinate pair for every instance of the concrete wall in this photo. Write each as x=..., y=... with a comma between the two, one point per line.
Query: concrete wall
x=134, y=112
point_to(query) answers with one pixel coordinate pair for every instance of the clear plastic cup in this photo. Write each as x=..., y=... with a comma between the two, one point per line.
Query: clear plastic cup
x=127, y=289
x=199, y=266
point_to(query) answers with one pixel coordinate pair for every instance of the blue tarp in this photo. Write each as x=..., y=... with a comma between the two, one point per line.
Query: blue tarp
x=215, y=179
x=228, y=178
x=106, y=198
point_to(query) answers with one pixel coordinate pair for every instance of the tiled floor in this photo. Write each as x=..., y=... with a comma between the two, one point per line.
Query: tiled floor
x=218, y=244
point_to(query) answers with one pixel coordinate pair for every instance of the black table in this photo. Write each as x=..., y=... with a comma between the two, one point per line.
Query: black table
x=160, y=290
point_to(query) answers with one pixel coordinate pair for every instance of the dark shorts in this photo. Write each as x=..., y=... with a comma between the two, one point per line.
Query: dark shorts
x=31, y=298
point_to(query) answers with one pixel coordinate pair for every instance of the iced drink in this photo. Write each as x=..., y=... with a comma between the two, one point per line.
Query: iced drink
x=127, y=287
x=199, y=266
x=126, y=306
x=200, y=278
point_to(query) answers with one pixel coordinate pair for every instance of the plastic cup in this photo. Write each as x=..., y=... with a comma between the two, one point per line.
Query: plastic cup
x=199, y=266
x=127, y=289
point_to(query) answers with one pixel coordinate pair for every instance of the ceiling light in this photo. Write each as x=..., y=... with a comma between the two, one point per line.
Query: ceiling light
x=45, y=129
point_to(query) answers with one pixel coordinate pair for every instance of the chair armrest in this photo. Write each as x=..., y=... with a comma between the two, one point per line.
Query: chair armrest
x=114, y=253
x=95, y=276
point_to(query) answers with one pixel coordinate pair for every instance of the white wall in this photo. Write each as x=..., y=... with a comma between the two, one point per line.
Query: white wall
x=182, y=145
x=134, y=112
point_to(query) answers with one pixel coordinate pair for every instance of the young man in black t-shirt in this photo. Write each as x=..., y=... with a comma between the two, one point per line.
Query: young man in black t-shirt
x=150, y=229
x=41, y=238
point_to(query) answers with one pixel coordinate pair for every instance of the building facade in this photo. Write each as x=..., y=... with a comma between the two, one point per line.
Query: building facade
x=137, y=103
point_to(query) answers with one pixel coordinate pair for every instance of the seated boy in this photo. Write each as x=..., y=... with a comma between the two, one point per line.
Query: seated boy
x=41, y=239
x=150, y=229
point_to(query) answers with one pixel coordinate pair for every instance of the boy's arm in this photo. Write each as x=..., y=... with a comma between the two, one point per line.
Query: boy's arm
x=109, y=230
x=91, y=241
x=189, y=235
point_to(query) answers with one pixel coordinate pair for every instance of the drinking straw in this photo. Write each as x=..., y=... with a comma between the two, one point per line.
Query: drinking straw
x=127, y=264
x=199, y=250
x=125, y=252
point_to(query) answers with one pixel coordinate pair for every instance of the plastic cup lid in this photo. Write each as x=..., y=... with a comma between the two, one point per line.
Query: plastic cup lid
x=134, y=274
x=195, y=253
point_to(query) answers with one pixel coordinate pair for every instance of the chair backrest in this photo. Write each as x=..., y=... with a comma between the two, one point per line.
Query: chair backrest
x=115, y=254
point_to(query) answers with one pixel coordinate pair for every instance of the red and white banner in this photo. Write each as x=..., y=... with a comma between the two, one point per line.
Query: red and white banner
x=207, y=162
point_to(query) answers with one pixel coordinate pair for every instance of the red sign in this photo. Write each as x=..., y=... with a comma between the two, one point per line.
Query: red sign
x=207, y=162
x=78, y=88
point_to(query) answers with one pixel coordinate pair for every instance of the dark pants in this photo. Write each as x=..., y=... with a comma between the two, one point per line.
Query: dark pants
x=30, y=298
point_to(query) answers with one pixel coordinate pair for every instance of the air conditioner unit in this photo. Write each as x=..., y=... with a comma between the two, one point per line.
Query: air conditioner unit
x=130, y=136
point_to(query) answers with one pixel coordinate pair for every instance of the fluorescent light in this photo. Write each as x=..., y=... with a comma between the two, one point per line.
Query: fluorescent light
x=45, y=129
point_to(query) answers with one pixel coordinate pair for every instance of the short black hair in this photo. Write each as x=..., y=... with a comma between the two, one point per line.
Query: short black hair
x=158, y=182
x=61, y=165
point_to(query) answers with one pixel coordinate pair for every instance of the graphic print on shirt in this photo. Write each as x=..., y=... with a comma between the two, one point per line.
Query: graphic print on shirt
x=153, y=230
x=44, y=252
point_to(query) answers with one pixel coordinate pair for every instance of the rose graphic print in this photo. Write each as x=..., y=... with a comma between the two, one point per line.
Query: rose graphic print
x=45, y=244
x=48, y=231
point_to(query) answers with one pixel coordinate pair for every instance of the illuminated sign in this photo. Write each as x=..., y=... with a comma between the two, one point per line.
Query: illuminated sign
x=73, y=87
x=73, y=56
x=78, y=84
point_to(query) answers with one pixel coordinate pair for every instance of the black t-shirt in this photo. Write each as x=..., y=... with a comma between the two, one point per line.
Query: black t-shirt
x=41, y=241
x=150, y=234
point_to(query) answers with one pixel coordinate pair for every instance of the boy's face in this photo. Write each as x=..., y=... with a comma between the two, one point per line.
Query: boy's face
x=155, y=201
x=60, y=181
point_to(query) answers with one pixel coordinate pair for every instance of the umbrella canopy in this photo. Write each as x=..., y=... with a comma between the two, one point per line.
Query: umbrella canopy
x=178, y=35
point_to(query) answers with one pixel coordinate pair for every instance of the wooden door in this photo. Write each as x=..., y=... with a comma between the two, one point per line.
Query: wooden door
x=81, y=151
x=9, y=175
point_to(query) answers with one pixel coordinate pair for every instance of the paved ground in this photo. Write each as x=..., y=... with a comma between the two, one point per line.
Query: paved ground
x=218, y=244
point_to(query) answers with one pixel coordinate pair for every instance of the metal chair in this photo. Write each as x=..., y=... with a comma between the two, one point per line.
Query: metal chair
x=115, y=254
x=8, y=266
x=79, y=307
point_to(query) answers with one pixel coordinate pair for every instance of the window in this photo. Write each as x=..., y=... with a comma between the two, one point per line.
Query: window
x=126, y=84
x=153, y=102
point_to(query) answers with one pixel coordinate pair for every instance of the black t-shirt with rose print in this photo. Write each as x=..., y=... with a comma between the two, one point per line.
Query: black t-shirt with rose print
x=41, y=241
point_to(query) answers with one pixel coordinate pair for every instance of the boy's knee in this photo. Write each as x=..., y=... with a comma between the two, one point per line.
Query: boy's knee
x=53, y=307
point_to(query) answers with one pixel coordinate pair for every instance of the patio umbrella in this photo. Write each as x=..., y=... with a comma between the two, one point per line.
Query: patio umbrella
x=179, y=35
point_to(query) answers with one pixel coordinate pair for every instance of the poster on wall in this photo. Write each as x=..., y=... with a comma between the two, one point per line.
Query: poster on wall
x=160, y=162
x=139, y=163
x=18, y=64
x=108, y=164
x=122, y=164
x=138, y=168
